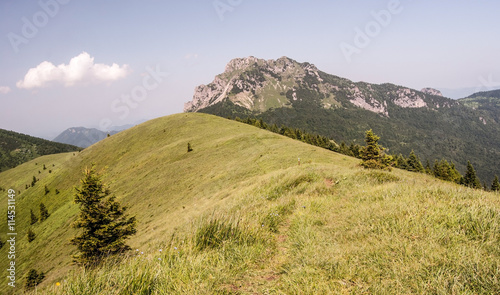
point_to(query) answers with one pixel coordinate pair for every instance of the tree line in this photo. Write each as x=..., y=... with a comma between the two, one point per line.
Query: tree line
x=373, y=156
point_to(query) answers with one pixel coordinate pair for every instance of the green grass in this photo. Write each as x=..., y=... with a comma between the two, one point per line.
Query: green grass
x=238, y=215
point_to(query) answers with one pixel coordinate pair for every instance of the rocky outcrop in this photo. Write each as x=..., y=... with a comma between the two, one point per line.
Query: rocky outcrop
x=431, y=91
x=407, y=98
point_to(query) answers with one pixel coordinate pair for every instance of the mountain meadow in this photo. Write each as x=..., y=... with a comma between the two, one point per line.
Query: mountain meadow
x=247, y=211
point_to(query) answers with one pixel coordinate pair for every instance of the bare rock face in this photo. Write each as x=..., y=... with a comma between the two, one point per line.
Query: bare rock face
x=359, y=99
x=431, y=91
x=407, y=98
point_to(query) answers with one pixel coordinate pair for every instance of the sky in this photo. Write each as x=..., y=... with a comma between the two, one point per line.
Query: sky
x=104, y=63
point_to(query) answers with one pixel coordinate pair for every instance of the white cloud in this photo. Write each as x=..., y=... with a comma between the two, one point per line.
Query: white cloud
x=4, y=89
x=81, y=69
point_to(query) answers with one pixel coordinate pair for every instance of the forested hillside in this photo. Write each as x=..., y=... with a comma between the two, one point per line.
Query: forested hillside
x=17, y=148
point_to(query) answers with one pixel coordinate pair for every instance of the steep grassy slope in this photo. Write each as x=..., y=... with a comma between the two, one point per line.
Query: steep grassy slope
x=324, y=226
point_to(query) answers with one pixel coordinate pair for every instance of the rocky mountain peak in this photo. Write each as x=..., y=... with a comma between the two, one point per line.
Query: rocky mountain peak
x=241, y=63
x=259, y=85
x=431, y=91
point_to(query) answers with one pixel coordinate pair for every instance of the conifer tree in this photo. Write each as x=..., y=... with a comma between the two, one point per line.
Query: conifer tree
x=189, y=149
x=372, y=154
x=495, y=186
x=470, y=178
x=34, y=218
x=103, y=222
x=44, y=213
x=428, y=169
x=400, y=162
x=413, y=163
x=455, y=176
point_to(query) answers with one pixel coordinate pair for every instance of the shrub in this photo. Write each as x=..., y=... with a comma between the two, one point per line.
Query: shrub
x=44, y=213
x=31, y=235
x=33, y=279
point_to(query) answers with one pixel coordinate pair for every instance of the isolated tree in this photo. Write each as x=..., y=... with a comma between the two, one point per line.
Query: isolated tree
x=44, y=213
x=190, y=149
x=104, y=224
x=34, y=218
x=31, y=235
x=33, y=279
x=470, y=178
x=495, y=186
x=33, y=182
x=47, y=190
x=372, y=154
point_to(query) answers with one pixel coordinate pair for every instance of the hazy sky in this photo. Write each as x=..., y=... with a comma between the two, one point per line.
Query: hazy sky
x=97, y=63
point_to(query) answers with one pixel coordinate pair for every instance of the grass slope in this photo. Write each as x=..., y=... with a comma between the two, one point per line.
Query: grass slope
x=238, y=215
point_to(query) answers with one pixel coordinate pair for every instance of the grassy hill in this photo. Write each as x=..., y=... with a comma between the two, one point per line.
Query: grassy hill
x=17, y=148
x=239, y=215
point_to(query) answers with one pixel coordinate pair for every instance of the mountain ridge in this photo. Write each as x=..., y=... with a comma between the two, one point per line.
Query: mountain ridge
x=299, y=95
x=245, y=78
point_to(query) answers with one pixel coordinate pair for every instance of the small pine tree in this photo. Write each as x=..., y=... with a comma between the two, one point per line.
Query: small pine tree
x=372, y=154
x=470, y=178
x=189, y=149
x=33, y=182
x=44, y=168
x=455, y=176
x=103, y=221
x=413, y=163
x=33, y=279
x=57, y=191
x=1, y=244
x=44, y=213
x=495, y=186
x=46, y=189
x=34, y=218
x=31, y=235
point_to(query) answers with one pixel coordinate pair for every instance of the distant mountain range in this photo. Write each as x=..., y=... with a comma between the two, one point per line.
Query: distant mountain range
x=84, y=137
x=17, y=148
x=81, y=136
x=299, y=95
